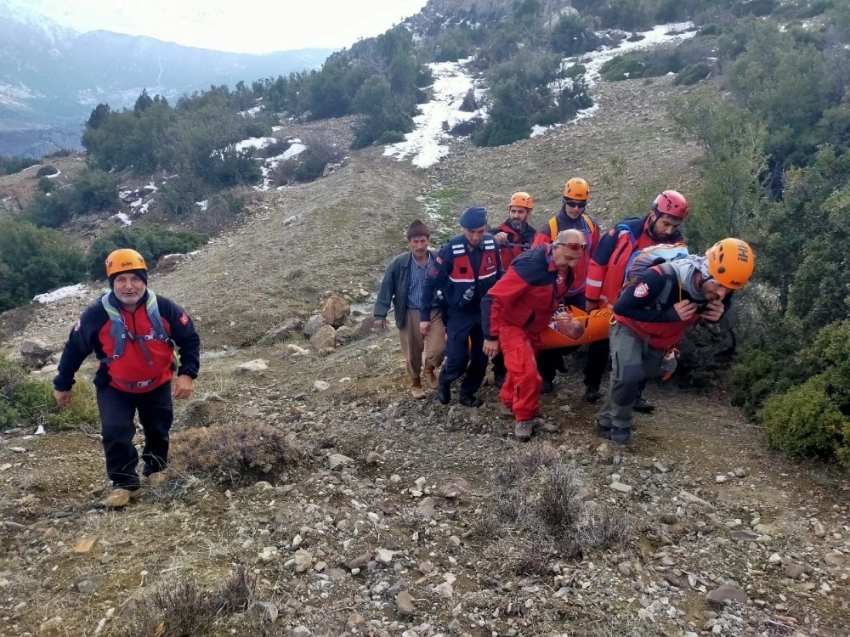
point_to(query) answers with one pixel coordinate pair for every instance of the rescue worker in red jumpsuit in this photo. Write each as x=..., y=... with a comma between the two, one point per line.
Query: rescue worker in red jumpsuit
x=516, y=311
x=514, y=236
x=134, y=334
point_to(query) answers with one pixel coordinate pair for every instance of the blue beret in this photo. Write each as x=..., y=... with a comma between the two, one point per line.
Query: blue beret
x=473, y=217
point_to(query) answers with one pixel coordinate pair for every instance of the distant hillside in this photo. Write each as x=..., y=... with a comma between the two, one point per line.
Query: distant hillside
x=51, y=78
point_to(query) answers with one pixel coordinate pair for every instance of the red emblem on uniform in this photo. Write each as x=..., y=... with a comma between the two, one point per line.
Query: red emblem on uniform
x=439, y=260
x=641, y=290
x=184, y=319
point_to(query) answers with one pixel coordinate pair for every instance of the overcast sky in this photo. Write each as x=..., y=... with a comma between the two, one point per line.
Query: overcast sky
x=245, y=26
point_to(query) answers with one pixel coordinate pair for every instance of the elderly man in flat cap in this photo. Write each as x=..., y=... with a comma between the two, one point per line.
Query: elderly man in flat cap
x=402, y=287
x=468, y=265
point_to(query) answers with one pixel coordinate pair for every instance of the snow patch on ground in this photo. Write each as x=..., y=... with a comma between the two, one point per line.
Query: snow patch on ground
x=55, y=175
x=151, y=187
x=251, y=112
x=123, y=218
x=49, y=297
x=442, y=113
x=137, y=203
x=295, y=149
x=254, y=142
x=202, y=205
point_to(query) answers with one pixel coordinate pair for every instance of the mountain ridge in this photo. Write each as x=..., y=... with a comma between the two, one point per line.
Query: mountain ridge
x=51, y=77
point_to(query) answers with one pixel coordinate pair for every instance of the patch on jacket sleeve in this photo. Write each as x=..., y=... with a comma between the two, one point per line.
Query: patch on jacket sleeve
x=77, y=325
x=184, y=318
x=641, y=290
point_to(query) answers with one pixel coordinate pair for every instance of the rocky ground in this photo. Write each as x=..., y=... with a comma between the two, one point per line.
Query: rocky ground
x=366, y=512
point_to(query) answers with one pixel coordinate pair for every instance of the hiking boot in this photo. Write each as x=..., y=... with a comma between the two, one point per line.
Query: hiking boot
x=470, y=400
x=505, y=411
x=444, y=393
x=618, y=435
x=523, y=430
x=643, y=405
x=158, y=479
x=591, y=394
x=499, y=380
x=548, y=387
x=431, y=378
x=120, y=498
x=416, y=389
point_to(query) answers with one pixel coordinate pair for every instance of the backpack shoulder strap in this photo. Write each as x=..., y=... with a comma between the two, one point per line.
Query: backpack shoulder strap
x=553, y=228
x=155, y=317
x=117, y=330
x=591, y=225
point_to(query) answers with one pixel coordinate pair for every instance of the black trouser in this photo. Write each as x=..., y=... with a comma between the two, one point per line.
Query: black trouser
x=499, y=368
x=462, y=358
x=117, y=409
x=598, y=357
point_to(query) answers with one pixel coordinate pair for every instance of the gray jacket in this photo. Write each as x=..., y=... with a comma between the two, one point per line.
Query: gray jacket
x=394, y=289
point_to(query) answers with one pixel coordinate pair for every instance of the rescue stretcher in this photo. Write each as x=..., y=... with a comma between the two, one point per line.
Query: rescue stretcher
x=596, y=324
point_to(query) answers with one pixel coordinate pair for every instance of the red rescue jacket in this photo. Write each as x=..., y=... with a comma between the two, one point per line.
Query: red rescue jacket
x=607, y=270
x=527, y=295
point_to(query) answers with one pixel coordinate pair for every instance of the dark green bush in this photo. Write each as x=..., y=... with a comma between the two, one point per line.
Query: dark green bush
x=258, y=129
x=152, y=242
x=46, y=170
x=391, y=137
x=46, y=185
x=35, y=260
x=692, y=74
x=49, y=209
x=95, y=190
x=805, y=421
x=12, y=165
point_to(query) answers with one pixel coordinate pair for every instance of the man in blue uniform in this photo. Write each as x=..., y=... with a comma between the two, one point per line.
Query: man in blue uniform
x=468, y=265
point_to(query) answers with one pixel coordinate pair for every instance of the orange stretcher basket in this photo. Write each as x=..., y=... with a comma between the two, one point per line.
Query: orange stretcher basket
x=596, y=324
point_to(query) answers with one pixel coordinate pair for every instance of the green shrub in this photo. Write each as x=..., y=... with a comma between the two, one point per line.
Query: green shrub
x=692, y=74
x=152, y=242
x=12, y=165
x=27, y=401
x=48, y=209
x=391, y=137
x=258, y=129
x=35, y=260
x=45, y=185
x=805, y=421
x=95, y=190
x=46, y=170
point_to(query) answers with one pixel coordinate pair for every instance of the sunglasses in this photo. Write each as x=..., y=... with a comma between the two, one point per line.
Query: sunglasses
x=575, y=204
x=575, y=247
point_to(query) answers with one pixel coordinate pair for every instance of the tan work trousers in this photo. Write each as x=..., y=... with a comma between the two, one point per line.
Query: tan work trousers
x=413, y=343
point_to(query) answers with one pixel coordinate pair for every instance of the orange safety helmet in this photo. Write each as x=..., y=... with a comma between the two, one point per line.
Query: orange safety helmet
x=124, y=260
x=577, y=188
x=671, y=202
x=523, y=200
x=731, y=263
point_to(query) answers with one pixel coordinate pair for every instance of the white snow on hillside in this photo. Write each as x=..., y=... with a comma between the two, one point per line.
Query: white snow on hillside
x=451, y=84
x=254, y=142
x=425, y=144
x=661, y=34
x=49, y=297
x=123, y=218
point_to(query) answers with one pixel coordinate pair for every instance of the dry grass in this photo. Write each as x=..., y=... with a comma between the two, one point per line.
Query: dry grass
x=183, y=609
x=233, y=455
x=535, y=516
